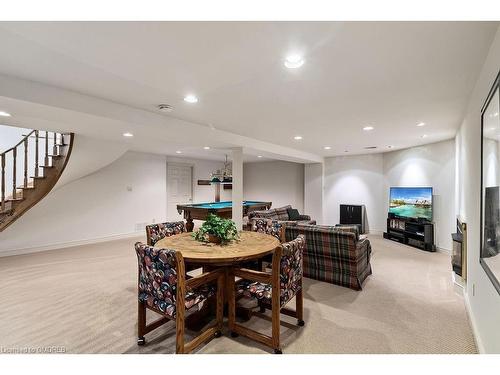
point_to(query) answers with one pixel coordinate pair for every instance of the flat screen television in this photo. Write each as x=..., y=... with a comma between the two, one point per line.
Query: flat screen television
x=411, y=202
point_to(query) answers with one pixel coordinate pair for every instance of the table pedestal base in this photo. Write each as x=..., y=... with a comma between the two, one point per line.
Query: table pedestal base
x=199, y=319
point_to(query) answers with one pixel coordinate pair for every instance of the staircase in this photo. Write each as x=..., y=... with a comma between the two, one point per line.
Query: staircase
x=29, y=171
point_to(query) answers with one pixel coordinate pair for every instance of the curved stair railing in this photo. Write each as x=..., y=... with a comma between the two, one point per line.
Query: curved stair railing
x=24, y=181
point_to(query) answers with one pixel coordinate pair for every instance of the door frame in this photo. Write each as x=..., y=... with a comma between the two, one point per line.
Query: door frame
x=178, y=164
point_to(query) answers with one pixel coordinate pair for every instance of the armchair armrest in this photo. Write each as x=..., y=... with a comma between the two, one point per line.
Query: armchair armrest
x=261, y=277
x=204, y=278
x=304, y=217
x=363, y=245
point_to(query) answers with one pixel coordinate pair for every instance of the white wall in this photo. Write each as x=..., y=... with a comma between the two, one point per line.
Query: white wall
x=279, y=182
x=481, y=296
x=428, y=165
x=314, y=184
x=366, y=179
x=355, y=180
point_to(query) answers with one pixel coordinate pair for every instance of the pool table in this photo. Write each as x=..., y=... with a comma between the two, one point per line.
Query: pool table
x=200, y=211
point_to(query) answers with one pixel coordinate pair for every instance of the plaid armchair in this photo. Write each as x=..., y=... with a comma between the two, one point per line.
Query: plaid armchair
x=281, y=215
x=334, y=254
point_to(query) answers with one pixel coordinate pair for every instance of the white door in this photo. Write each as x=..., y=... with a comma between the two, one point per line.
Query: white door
x=179, y=189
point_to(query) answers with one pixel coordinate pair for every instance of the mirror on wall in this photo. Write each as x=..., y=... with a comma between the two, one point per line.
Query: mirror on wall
x=490, y=189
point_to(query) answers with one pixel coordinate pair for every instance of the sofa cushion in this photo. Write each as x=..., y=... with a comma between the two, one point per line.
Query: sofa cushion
x=291, y=223
x=337, y=243
x=334, y=229
x=280, y=213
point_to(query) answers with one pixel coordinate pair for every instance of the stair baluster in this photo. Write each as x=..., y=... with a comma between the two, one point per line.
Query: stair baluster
x=26, y=162
x=36, y=153
x=46, y=159
x=54, y=148
x=14, y=171
x=3, y=182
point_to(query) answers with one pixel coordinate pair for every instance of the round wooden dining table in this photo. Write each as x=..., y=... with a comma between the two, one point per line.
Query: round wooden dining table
x=250, y=246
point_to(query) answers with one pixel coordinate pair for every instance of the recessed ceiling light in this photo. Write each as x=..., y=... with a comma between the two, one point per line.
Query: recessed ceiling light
x=420, y=124
x=178, y=152
x=4, y=114
x=127, y=134
x=346, y=151
x=259, y=156
x=390, y=146
x=191, y=99
x=368, y=128
x=297, y=137
x=494, y=114
x=327, y=148
x=424, y=136
x=165, y=108
x=294, y=61
x=206, y=148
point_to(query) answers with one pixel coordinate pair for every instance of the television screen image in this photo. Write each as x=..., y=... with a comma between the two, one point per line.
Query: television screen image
x=411, y=202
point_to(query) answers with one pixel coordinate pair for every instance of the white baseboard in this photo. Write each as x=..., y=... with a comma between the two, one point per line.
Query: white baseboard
x=443, y=250
x=63, y=245
x=475, y=331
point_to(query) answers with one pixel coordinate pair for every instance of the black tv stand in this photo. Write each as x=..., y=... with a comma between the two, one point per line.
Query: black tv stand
x=416, y=233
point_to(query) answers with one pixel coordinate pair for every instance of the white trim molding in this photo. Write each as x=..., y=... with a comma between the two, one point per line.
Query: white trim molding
x=64, y=245
x=475, y=331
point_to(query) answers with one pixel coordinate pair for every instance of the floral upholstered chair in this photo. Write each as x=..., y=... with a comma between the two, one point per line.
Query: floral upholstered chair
x=272, y=291
x=155, y=232
x=163, y=288
x=268, y=226
x=271, y=227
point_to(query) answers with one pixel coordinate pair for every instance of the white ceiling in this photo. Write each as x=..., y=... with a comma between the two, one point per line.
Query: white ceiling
x=390, y=75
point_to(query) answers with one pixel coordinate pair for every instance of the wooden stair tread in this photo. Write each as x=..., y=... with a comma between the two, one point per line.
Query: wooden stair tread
x=37, y=177
x=46, y=166
x=25, y=188
x=14, y=199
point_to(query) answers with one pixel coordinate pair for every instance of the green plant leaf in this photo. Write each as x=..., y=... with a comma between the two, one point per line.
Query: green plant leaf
x=225, y=229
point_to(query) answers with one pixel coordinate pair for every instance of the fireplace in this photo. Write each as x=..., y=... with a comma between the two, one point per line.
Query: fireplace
x=459, y=251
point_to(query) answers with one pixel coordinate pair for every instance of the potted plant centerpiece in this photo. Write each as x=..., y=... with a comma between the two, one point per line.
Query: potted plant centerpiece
x=216, y=230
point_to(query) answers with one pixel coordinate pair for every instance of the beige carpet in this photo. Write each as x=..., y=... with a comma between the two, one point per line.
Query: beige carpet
x=84, y=299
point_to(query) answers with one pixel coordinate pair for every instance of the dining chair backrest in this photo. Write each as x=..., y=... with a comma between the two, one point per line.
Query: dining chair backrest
x=155, y=232
x=268, y=226
x=289, y=266
x=159, y=276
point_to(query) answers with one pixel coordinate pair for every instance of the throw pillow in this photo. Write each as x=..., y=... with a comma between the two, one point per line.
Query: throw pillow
x=293, y=214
